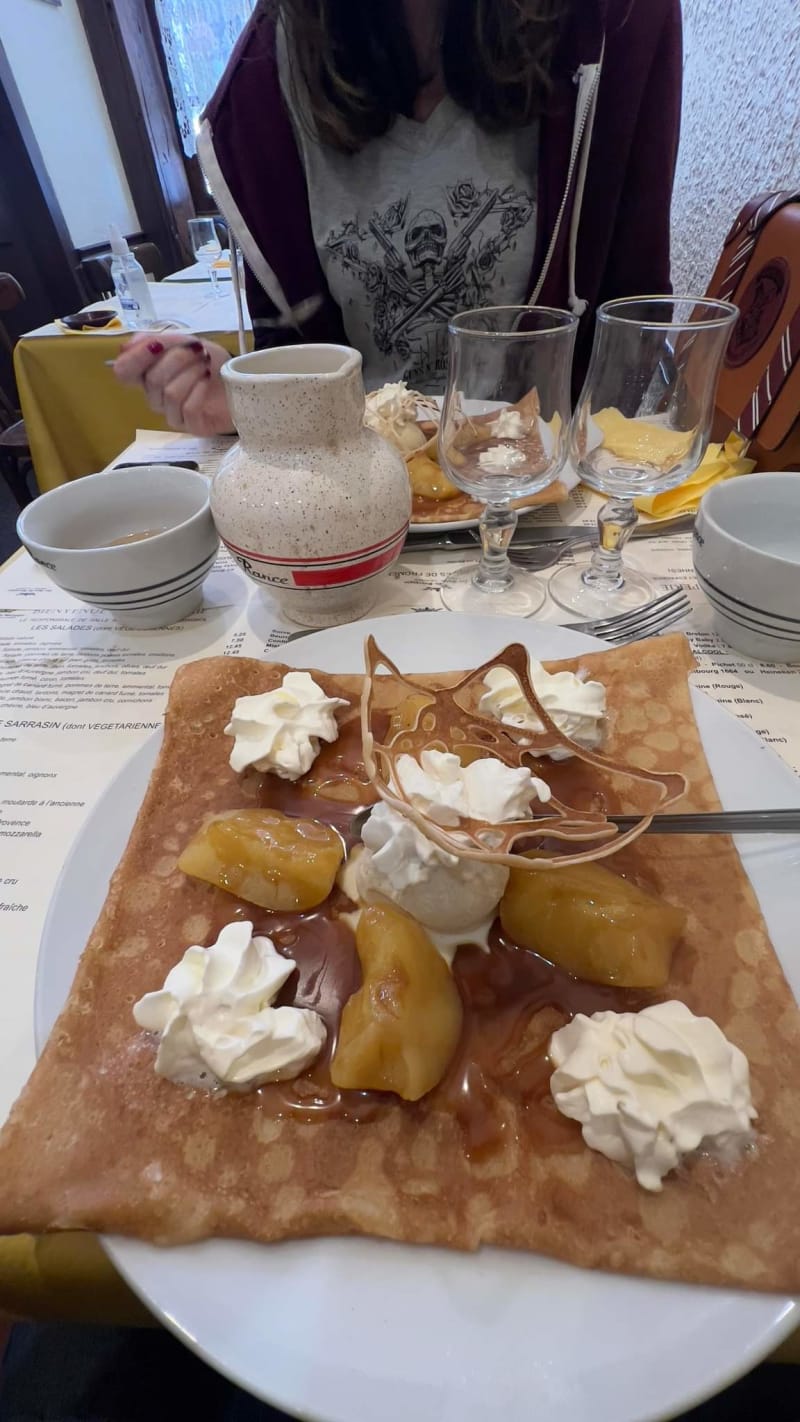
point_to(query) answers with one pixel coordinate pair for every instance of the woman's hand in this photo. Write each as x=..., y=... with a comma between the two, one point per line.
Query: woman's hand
x=180, y=377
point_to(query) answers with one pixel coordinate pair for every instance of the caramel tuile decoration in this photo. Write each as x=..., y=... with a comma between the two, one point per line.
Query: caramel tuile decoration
x=445, y=723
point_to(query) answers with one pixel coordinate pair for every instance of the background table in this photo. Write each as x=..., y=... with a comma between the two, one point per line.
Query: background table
x=77, y=415
x=198, y=272
x=60, y=654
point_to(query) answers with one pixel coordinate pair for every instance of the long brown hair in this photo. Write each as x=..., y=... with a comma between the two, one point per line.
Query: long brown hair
x=354, y=62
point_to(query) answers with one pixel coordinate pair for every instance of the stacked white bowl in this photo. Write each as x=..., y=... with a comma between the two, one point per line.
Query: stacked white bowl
x=747, y=561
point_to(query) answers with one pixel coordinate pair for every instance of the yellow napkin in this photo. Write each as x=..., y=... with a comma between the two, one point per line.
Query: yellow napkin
x=722, y=461
x=638, y=440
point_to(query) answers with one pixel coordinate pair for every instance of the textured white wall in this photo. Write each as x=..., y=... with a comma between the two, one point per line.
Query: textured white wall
x=741, y=122
x=54, y=72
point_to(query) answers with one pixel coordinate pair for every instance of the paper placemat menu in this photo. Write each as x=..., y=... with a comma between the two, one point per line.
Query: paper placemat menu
x=78, y=695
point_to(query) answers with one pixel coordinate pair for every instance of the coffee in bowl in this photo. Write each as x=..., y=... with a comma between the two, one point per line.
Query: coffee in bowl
x=137, y=542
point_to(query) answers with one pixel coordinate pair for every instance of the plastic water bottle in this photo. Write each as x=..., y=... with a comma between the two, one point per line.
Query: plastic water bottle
x=130, y=284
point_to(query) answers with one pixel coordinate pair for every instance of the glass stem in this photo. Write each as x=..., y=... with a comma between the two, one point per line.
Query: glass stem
x=616, y=521
x=497, y=526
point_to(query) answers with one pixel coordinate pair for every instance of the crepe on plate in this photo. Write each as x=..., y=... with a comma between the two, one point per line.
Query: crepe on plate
x=98, y=1141
x=426, y=473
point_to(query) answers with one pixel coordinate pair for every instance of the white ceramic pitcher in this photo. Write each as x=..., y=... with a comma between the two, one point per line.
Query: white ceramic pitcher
x=313, y=506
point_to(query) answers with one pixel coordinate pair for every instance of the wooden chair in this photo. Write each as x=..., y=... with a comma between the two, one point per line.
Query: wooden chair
x=150, y=259
x=16, y=464
x=96, y=272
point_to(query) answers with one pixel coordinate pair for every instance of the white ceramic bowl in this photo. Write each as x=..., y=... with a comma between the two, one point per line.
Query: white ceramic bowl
x=747, y=561
x=149, y=583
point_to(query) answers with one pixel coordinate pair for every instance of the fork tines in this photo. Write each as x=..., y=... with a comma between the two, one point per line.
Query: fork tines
x=642, y=622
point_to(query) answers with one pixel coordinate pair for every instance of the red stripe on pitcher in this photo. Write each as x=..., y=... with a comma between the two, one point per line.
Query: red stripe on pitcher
x=350, y=573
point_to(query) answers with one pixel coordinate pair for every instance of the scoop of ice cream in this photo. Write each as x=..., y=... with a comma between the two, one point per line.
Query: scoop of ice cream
x=438, y=889
x=447, y=894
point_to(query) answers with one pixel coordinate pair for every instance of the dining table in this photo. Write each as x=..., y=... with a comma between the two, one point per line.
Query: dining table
x=78, y=695
x=77, y=415
x=198, y=271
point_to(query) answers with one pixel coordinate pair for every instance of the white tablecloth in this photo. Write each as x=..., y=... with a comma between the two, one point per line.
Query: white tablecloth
x=197, y=272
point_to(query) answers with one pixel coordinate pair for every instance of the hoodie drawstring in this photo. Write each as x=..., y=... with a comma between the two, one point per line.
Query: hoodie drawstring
x=587, y=78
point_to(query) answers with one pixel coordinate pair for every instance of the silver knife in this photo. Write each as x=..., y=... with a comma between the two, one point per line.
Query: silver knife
x=530, y=535
x=718, y=822
x=702, y=822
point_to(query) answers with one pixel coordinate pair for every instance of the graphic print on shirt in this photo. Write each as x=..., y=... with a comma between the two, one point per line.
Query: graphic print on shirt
x=418, y=265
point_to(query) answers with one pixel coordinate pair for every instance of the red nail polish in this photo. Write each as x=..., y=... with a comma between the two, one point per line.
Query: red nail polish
x=155, y=348
x=206, y=374
x=195, y=346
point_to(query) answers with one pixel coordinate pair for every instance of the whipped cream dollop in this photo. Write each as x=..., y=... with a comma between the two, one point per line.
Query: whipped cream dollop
x=510, y=424
x=280, y=730
x=650, y=1087
x=577, y=707
x=391, y=412
x=501, y=458
x=446, y=791
x=215, y=1018
x=447, y=894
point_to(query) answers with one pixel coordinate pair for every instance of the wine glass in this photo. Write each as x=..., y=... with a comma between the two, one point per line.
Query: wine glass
x=206, y=246
x=641, y=426
x=503, y=436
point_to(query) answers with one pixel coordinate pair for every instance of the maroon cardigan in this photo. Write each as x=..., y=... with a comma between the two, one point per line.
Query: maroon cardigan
x=621, y=247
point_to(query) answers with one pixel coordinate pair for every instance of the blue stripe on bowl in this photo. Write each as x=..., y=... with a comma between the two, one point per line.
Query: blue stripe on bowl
x=748, y=606
x=139, y=604
x=149, y=587
x=760, y=628
x=175, y=589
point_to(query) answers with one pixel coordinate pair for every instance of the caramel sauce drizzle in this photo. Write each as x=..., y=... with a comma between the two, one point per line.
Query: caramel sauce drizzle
x=451, y=720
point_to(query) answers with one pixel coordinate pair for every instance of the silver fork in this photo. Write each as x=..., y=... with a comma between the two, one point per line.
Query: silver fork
x=642, y=622
x=542, y=555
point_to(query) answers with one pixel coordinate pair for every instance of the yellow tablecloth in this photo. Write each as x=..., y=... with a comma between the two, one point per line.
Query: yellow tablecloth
x=64, y=1276
x=77, y=415
x=68, y=1277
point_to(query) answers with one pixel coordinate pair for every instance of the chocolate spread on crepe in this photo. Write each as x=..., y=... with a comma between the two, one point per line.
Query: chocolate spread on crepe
x=98, y=1141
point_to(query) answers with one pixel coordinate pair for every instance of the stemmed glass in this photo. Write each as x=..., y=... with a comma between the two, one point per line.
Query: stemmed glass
x=641, y=426
x=206, y=246
x=503, y=436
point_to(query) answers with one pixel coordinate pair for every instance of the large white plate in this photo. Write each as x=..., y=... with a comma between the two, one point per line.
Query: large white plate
x=452, y=527
x=354, y=1330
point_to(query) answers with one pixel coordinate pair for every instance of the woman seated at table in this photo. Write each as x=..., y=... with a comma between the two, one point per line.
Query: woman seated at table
x=384, y=165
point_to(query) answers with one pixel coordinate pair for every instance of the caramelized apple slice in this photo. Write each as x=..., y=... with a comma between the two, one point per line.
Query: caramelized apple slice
x=593, y=924
x=400, y=1030
x=266, y=858
x=429, y=480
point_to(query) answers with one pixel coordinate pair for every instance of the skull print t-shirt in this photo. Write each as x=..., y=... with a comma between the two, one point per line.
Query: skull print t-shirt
x=431, y=219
